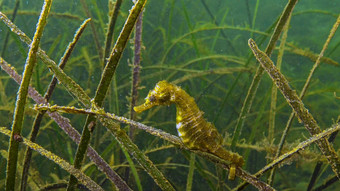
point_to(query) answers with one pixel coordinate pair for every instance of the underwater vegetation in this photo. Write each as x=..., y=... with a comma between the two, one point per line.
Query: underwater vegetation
x=255, y=87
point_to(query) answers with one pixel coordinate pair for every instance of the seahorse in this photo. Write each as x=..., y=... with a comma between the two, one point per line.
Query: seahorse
x=194, y=131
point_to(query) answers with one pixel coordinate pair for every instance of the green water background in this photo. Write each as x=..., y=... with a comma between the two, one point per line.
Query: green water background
x=170, y=39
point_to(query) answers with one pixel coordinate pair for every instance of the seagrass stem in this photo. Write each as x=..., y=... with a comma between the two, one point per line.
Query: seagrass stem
x=135, y=77
x=93, y=29
x=80, y=94
x=272, y=113
x=306, y=85
x=88, y=182
x=110, y=30
x=22, y=96
x=68, y=82
x=310, y=54
x=297, y=105
x=318, y=60
x=103, y=117
x=65, y=125
x=176, y=141
x=136, y=69
x=259, y=72
x=104, y=84
x=301, y=146
x=48, y=94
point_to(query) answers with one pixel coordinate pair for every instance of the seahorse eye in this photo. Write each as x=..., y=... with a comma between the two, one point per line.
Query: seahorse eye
x=152, y=98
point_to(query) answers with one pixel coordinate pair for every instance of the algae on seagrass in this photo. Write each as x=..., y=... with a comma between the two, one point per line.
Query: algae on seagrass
x=47, y=96
x=101, y=92
x=66, y=126
x=297, y=105
x=80, y=94
x=206, y=85
x=305, y=87
x=88, y=182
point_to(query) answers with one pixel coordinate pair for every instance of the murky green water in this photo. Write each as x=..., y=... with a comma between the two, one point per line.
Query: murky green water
x=200, y=46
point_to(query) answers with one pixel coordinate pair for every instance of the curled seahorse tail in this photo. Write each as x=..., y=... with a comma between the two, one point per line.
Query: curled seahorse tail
x=232, y=157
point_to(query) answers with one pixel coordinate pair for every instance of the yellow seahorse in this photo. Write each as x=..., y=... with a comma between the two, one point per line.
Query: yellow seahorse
x=193, y=129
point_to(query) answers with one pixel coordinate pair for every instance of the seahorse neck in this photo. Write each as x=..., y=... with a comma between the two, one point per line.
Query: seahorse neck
x=185, y=105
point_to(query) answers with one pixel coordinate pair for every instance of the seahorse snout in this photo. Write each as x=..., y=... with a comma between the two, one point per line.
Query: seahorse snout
x=147, y=105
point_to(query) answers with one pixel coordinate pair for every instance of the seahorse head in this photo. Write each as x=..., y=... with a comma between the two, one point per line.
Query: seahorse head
x=162, y=94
